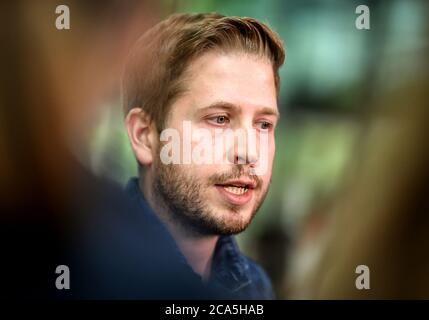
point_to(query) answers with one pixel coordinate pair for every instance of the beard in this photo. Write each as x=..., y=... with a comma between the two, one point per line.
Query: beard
x=187, y=204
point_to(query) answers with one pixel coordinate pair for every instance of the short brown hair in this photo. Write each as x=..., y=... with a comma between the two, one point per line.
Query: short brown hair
x=158, y=60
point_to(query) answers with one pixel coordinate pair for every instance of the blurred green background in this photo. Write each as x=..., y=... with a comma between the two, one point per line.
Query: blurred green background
x=331, y=74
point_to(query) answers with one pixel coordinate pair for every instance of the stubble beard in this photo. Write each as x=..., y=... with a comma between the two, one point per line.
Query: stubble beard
x=183, y=196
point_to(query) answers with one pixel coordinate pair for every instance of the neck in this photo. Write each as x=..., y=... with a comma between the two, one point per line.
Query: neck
x=197, y=249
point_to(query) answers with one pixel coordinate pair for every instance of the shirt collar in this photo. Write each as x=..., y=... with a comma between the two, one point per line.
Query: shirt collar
x=229, y=266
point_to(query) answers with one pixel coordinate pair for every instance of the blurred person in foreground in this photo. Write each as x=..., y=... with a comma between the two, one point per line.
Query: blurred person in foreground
x=213, y=73
x=54, y=211
x=382, y=220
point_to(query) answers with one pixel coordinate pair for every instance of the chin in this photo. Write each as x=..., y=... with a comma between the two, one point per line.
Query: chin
x=236, y=215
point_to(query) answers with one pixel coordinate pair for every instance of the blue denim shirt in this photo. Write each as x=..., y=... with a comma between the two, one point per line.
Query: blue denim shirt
x=232, y=272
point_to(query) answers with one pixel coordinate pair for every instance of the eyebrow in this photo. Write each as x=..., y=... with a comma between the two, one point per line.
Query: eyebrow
x=269, y=112
x=232, y=107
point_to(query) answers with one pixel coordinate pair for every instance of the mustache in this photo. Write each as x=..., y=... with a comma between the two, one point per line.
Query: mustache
x=237, y=172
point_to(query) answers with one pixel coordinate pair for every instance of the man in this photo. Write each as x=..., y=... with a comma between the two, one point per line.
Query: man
x=207, y=73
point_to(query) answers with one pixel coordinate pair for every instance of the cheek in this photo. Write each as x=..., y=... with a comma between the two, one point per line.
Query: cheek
x=272, y=153
x=270, y=158
x=267, y=176
x=199, y=172
x=271, y=149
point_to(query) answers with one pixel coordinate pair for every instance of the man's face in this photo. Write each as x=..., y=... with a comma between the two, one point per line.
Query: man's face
x=223, y=91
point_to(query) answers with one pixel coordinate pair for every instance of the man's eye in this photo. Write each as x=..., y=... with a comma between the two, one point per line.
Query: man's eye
x=264, y=125
x=220, y=119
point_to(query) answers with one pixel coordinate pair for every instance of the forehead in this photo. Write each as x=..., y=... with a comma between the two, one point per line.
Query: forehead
x=240, y=79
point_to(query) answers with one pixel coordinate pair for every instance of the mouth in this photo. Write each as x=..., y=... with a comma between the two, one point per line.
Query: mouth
x=236, y=189
x=236, y=192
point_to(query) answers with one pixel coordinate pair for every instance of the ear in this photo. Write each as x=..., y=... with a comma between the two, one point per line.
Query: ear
x=142, y=135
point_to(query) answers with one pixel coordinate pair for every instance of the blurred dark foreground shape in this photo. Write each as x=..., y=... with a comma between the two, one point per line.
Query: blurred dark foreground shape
x=382, y=221
x=54, y=211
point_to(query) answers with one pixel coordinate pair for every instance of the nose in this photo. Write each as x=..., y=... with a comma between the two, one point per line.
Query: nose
x=245, y=148
x=246, y=155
